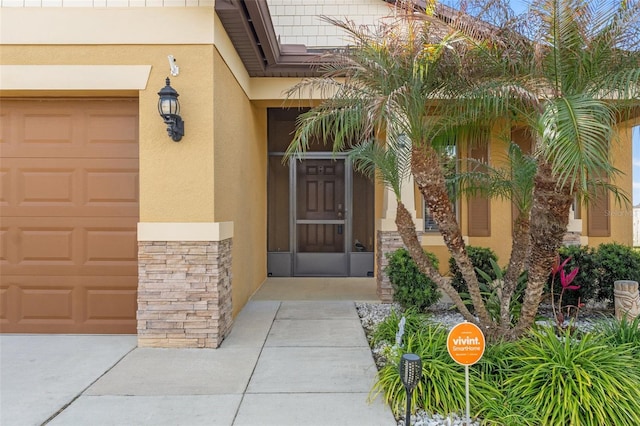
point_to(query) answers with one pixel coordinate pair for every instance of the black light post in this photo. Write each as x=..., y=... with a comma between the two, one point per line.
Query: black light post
x=410, y=373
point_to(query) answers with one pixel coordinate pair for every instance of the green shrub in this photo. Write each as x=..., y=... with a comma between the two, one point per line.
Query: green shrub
x=626, y=331
x=442, y=387
x=493, y=366
x=582, y=257
x=481, y=258
x=615, y=262
x=575, y=382
x=509, y=411
x=411, y=288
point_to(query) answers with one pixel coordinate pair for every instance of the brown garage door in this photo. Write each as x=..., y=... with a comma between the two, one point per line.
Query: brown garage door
x=68, y=211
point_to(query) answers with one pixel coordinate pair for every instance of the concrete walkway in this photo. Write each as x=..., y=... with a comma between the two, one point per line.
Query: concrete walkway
x=285, y=363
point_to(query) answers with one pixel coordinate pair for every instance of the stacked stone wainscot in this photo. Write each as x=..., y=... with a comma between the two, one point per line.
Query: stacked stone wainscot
x=184, y=293
x=387, y=242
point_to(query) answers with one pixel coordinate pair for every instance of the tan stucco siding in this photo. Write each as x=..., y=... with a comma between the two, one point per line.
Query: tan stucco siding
x=500, y=240
x=620, y=214
x=240, y=186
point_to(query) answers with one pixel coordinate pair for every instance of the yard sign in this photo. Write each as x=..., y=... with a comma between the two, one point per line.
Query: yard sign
x=465, y=344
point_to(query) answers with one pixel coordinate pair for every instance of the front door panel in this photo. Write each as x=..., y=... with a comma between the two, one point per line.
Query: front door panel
x=320, y=223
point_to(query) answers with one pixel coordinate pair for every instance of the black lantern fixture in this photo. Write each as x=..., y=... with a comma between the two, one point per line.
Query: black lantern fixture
x=169, y=109
x=410, y=374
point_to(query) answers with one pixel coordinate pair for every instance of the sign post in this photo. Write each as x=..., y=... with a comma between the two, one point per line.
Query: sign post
x=465, y=345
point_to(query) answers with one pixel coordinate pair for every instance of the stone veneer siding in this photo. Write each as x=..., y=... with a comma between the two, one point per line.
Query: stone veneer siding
x=387, y=242
x=184, y=293
x=571, y=239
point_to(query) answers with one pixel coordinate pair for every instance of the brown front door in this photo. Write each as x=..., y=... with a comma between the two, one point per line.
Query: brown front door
x=321, y=225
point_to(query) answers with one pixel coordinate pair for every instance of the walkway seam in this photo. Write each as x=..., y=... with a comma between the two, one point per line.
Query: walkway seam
x=244, y=391
x=64, y=407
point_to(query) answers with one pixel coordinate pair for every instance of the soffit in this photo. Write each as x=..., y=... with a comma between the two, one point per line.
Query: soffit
x=249, y=26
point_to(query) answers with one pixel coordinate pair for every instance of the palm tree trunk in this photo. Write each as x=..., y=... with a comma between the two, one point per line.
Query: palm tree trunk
x=429, y=176
x=549, y=220
x=407, y=231
x=519, y=251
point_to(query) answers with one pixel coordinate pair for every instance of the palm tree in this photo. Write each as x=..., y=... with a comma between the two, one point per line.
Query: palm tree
x=381, y=88
x=511, y=182
x=570, y=86
x=570, y=82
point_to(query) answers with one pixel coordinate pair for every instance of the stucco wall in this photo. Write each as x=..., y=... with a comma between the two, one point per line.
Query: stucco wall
x=621, y=214
x=240, y=165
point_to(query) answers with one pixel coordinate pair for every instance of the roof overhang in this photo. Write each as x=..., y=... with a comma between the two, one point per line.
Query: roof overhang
x=249, y=26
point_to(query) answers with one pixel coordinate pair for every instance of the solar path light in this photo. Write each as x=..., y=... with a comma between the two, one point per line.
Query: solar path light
x=410, y=373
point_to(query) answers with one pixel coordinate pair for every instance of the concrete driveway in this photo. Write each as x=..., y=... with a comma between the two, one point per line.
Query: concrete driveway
x=285, y=363
x=41, y=374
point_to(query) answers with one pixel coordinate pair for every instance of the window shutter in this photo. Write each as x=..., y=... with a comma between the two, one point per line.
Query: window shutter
x=599, y=219
x=523, y=139
x=478, y=208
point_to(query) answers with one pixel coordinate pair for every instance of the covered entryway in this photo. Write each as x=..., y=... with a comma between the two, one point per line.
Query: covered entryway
x=69, y=210
x=320, y=210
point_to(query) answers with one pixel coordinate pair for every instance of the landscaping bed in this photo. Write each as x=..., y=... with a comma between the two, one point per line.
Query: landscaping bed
x=597, y=368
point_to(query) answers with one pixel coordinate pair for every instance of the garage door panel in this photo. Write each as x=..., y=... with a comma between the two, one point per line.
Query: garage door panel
x=45, y=245
x=111, y=186
x=40, y=187
x=104, y=129
x=4, y=245
x=68, y=245
x=46, y=303
x=5, y=128
x=111, y=245
x=104, y=304
x=47, y=129
x=5, y=186
x=71, y=187
x=69, y=211
x=62, y=129
x=96, y=304
x=4, y=306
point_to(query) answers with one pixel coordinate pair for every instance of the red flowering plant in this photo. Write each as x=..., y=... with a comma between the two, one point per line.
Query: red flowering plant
x=564, y=315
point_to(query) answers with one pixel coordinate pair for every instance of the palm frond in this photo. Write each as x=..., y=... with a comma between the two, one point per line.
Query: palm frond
x=389, y=162
x=513, y=182
x=577, y=132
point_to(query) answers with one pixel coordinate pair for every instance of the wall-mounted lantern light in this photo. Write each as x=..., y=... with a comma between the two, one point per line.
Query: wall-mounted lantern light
x=169, y=109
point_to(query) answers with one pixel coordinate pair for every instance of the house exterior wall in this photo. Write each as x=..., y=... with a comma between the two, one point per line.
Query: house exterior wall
x=184, y=255
x=621, y=215
x=211, y=186
x=240, y=187
x=636, y=226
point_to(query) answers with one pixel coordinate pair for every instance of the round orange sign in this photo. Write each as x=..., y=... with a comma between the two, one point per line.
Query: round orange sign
x=466, y=343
